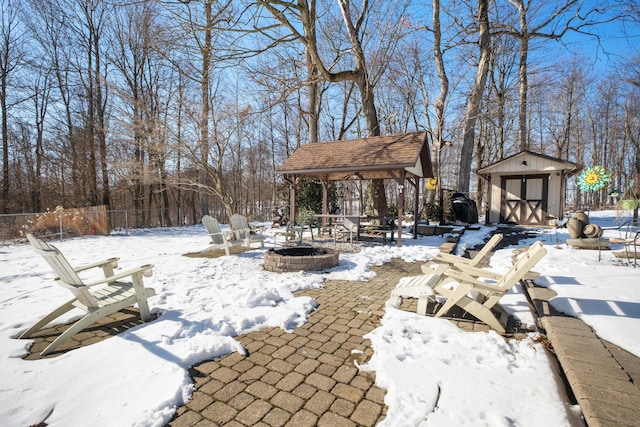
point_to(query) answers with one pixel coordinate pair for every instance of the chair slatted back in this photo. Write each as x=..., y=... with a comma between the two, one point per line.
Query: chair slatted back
x=352, y=223
x=67, y=275
x=522, y=266
x=240, y=226
x=213, y=228
x=488, y=247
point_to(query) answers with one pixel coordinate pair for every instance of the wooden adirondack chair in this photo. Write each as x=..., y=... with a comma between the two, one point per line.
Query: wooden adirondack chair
x=243, y=232
x=218, y=237
x=489, y=291
x=97, y=298
x=349, y=227
x=487, y=285
x=421, y=287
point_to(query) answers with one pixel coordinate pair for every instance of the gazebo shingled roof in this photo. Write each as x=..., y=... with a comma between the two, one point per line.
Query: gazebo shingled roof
x=403, y=158
x=379, y=157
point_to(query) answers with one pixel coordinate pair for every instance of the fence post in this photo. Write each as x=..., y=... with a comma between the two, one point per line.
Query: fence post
x=60, y=221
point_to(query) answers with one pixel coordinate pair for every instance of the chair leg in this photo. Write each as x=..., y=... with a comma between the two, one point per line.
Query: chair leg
x=423, y=302
x=482, y=313
x=143, y=306
x=395, y=301
x=74, y=329
x=141, y=296
x=68, y=306
x=458, y=294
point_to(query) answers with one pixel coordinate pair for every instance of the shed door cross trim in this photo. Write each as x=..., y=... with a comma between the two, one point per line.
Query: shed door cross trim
x=524, y=199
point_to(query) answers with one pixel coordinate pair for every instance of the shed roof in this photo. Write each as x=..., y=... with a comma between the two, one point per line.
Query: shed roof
x=376, y=157
x=549, y=162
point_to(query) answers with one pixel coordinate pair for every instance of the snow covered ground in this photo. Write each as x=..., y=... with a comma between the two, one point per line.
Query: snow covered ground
x=140, y=376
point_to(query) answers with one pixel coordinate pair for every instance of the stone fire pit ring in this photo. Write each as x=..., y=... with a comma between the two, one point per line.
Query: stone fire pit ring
x=305, y=258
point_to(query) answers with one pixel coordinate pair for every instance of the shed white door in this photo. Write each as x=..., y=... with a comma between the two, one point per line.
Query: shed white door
x=524, y=199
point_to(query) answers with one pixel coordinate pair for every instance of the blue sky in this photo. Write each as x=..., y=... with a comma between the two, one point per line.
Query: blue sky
x=618, y=41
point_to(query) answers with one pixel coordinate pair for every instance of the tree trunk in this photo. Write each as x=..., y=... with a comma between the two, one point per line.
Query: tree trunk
x=378, y=193
x=312, y=101
x=204, y=113
x=312, y=80
x=523, y=140
x=473, y=107
x=440, y=103
x=5, y=135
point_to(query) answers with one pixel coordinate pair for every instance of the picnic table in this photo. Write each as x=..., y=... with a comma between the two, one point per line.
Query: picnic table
x=375, y=226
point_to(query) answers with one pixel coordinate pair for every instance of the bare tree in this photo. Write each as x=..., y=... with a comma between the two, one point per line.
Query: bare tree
x=550, y=23
x=632, y=132
x=89, y=29
x=41, y=97
x=138, y=52
x=501, y=75
x=632, y=123
x=473, y=105
x=202, y=25
x=289, y=15
x=440, y=103
x=48, y=29
x=11, y=56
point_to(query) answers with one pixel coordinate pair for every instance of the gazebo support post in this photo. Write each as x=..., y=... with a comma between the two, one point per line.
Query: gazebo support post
x=325, y=201
x=487, y=211
x=416, y=205
x=401, y=181
x=293, y=185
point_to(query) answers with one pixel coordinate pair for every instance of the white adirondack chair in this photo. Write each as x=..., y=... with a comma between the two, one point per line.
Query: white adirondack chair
x=477, y=290
x=219, y=239
x=349, y=226
x=243, y=232
x=421, y=287
x=98, y=298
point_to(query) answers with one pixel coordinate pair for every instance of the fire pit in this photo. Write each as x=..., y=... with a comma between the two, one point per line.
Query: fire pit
x=299, y=258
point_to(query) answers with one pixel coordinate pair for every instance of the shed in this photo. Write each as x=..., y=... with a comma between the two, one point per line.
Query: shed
x=404, y=158
x=526, y=189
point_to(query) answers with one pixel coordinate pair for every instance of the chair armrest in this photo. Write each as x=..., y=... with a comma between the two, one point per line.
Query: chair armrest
x=145, y=270
x=450, y=259
x=112, y=261
x=628, y=229
x=471, y=271
x=635, y=240
x=462, y=277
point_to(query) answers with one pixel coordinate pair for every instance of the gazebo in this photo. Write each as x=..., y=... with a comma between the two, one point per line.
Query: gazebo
x=403, y=158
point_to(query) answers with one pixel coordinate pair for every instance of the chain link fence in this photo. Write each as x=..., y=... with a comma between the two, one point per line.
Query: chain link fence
x=97, y=220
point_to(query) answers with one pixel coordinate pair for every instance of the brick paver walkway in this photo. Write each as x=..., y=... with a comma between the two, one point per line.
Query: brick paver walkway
x=306, y=377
